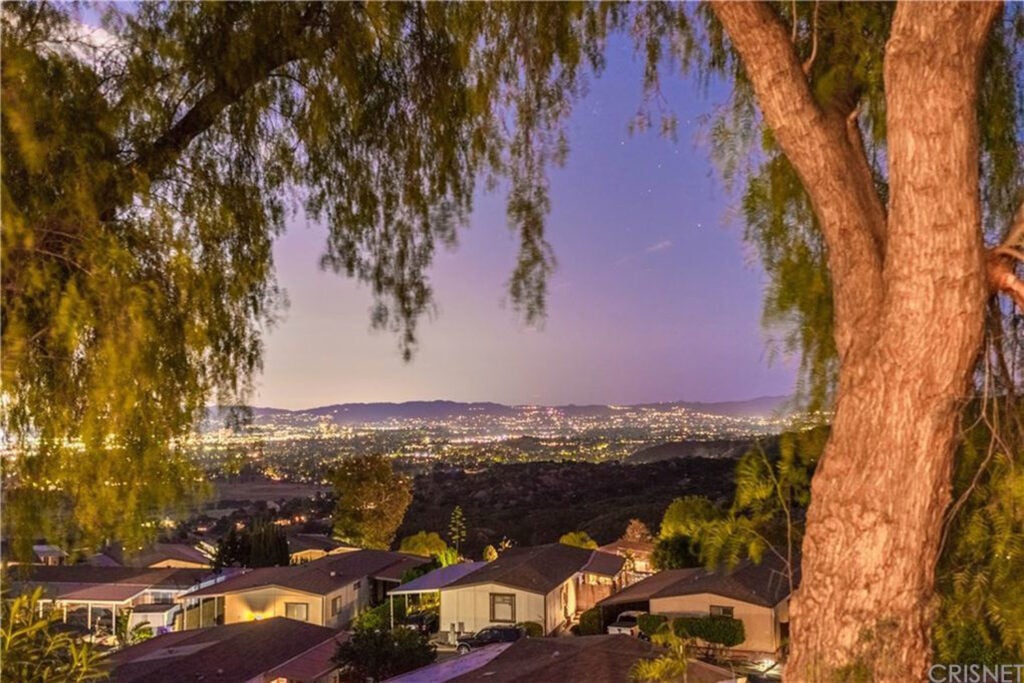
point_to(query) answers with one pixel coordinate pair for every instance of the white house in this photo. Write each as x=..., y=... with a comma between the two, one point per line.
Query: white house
x=547, y=584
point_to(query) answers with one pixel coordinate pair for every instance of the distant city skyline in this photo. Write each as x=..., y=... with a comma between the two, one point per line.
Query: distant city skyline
x=655, y=297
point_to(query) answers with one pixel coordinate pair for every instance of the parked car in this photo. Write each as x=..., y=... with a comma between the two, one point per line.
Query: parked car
x=424, y=622
x=627, y=623
x=489, y=636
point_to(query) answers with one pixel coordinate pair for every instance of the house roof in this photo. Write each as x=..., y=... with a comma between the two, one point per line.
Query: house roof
x=160, y=552
x=321, y=576
x=595, y=659
x=236, y=652
x=762, y=584
x=623, y=545
x=298, y=543
x=114, y=584
x=437, y=579
x=310, y=665
x=605, y=564
x=537, y=569
x=452, y=667
x=44, y=550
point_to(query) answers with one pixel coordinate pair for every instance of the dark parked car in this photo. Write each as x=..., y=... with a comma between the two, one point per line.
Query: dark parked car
x=424, y=622
x=489, y=636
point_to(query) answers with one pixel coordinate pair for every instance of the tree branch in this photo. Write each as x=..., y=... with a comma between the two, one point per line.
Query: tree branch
x=1015, y=235
x=227, y=88
x=821, y=149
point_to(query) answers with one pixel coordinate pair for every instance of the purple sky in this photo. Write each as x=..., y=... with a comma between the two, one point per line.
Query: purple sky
x=655, y=297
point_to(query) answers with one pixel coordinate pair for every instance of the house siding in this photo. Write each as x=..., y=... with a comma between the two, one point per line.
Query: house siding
x=760, y=624
x=471, y=606
x=263, y=603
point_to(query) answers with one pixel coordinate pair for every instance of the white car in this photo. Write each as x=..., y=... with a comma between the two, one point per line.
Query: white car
x=627, y=624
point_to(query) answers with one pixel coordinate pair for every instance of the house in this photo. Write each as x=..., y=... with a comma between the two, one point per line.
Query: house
x=594, y=659
x=638, y=556
x=90, y=597
x=308, y=547
x=328, y=592
x=547, y=584
x=277, y=649
x=49, y=555
x=161, y=555
x=756, y=594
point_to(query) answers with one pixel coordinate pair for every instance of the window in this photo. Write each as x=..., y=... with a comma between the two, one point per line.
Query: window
x=721, y=611
x=335, y=606
x=297, y=610
x=503, y=607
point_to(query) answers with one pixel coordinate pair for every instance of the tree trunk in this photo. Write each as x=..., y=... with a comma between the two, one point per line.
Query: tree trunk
x=910, y=292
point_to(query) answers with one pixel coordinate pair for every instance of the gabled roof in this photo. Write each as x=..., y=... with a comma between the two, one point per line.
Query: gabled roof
x=764, y=584
x=642, y=591
x=321, y=576
x=160, y=552
x=298, y=543
x=236, y=652
x=43, y=551
x=605, y=564
x=539, y=569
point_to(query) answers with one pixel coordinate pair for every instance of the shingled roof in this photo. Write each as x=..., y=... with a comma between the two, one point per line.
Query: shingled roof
x=596, y=659
x=160, y=552
x=235, y=652
x=322, y=576
x=542, y=568
x=764, y=584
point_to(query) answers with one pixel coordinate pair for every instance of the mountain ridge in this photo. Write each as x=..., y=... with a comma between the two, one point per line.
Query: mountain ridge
x=443, y=408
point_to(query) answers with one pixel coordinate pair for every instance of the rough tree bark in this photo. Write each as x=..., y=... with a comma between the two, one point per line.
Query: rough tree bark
x=910, y=291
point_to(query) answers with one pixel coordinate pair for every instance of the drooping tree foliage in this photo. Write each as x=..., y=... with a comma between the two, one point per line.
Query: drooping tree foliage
x=147, y=169
x=149, y=164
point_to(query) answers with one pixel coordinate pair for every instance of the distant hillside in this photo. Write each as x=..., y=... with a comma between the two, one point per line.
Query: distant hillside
x=537, y=502
x=369, y=413
x=690, y=449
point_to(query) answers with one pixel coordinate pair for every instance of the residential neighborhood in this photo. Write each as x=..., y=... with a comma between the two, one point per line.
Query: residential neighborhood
x=477, y=615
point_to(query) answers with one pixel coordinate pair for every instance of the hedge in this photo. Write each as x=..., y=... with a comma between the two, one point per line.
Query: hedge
x=650, y=623
x=532, y=629
x=590, y=622
x=711, y=629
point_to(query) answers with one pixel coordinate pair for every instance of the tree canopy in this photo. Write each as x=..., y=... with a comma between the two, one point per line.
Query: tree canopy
x=371, y=501
x=578, y=539
x=424, y=544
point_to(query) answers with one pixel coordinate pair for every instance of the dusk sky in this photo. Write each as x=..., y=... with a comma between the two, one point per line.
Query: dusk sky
x=655, y=297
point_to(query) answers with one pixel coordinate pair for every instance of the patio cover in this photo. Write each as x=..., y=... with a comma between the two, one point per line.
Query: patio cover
x=437, y=579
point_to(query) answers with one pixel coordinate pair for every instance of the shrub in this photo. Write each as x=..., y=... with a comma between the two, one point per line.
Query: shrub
x=716, y=630
x=379, y=617
x=591, y=623
x=532, y=629
x=650, y=623
x=378, y=655
x=578, y=539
